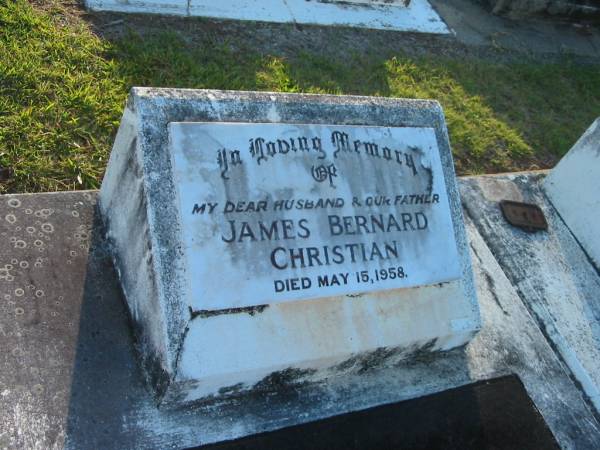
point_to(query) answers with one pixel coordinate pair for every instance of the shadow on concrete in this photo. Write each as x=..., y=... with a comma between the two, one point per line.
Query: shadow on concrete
x=496, y=414
x=105, y=375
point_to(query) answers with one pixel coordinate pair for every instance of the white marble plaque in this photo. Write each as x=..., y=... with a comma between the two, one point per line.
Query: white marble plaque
x=279, y=212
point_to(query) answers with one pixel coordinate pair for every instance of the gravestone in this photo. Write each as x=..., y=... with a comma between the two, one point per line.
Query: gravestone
x=274, y=239
x=399, y=15
x=572, y=187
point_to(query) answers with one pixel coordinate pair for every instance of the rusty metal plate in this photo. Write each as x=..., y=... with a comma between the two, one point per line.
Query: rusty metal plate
x=524, y=215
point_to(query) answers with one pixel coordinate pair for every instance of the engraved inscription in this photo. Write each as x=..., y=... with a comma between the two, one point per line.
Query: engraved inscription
x=281, y=212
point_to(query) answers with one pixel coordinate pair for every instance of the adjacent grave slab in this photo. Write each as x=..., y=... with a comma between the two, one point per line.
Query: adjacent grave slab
x=231, y=300
x=417, y=16
x=572, y=187
x=71, y=377
x=549, y=269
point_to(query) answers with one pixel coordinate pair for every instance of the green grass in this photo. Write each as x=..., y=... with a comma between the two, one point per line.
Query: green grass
x=62, y=91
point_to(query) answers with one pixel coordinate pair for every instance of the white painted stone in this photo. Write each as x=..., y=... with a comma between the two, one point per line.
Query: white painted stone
x=418, y=16
x=170, y=7
x=191, y=350
x=370, y=2
x=321, y=338
x=266, y=11
x=573, y=187
x=243, y=247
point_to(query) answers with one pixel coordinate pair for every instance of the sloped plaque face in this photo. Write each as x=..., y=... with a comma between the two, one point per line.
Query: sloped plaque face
x=280, y=212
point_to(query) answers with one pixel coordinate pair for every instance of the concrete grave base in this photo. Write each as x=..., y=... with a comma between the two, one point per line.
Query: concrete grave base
x=71, y=379
x=550, y=271
x=417, y=16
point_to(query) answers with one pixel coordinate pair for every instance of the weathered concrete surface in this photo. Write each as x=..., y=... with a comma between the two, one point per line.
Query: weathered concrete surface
x=308, y=340
x=43, y=267
x=417, y=16
x=549, y=270
x=70, y=377
x=572, y=187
